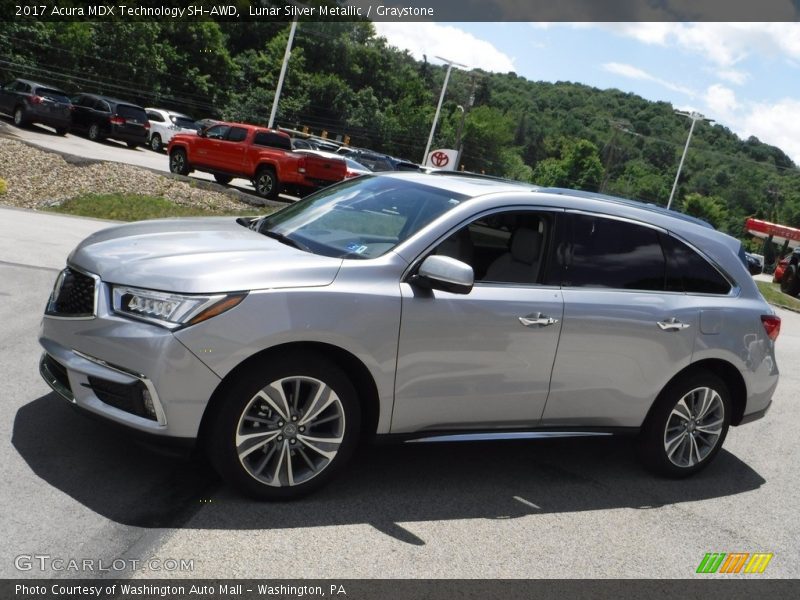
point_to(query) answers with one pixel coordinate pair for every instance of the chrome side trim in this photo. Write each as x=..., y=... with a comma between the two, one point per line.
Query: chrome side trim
x=513, y=435
x=51, y=380
x=161, y=416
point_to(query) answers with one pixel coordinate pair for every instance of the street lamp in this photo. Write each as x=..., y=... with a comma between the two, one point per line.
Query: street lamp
x=286, y=55
x=695, y=117
x=450, y=64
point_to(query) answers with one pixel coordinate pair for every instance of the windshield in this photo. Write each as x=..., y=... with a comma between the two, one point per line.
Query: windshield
x=361, y=218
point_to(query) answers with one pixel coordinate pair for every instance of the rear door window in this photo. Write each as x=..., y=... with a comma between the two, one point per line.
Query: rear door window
x=606, y=253
x=155, y=117
x=272, y=140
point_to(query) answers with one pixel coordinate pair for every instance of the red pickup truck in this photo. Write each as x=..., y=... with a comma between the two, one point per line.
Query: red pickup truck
x=264, y=156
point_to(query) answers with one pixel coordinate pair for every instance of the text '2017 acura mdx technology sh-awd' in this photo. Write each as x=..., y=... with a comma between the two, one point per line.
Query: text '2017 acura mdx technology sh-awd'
x=413, y=306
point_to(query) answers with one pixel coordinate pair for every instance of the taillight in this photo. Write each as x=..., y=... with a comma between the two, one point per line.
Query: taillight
x=117, y=120
x=37, y=99
x=146, y=125
x=772, y=325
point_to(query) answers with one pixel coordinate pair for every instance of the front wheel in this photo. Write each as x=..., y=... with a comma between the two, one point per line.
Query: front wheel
x=223, y=179
x=266, y=183
x=132, y=145
x=687, y=425
x=285, y=428
x=178, y=163
x=62, y=131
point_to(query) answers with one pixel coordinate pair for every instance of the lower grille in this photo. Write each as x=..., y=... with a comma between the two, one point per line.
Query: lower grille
x=73, y=295
x=129, y=397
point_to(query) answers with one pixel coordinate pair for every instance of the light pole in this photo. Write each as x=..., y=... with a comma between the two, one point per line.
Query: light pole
x=285, y=64
x=450, y=64
x=695, y=117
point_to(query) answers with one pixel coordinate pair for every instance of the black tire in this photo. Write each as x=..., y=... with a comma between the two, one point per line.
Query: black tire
x=95, y=133
x=155, y=143
x=20, y=119
x=790, y=282
x=132, y=145
x=62, y=131
x=269, y=464
x=266, y=183
x=665, y=428
x=223, y=179
x=178, y=163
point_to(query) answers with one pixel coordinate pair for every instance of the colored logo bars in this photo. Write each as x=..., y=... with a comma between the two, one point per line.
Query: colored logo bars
x=735, y=562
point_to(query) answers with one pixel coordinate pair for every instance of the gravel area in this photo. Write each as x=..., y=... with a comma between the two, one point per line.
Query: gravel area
x=37, y=179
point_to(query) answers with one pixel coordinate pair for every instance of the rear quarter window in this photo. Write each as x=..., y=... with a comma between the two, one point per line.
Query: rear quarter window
x=688, y=271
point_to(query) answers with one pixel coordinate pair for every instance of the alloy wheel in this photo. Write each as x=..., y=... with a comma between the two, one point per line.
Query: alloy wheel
x=694, y=427
x=290, y=431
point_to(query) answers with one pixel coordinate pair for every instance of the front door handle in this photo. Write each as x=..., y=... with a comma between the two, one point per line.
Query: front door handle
x=673, y=325
x=537, y=320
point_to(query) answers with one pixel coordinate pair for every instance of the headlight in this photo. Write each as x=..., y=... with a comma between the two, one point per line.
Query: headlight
x=171, y=310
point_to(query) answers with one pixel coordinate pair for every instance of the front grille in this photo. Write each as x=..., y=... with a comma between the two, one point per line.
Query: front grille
x=74, y=296
x=124, y=396
x=58, y=371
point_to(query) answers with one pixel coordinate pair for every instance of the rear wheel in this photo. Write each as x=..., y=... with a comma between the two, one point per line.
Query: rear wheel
x=94, y=133
x=286, y=428
x=62, y=130
x=178, y=163
x=266, y=183
x=19, y=117
x=132, y=145
x=223, y=179
x=155, y=143
x=687, y=426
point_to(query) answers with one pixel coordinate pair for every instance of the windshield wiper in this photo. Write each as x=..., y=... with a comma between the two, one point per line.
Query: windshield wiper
x=286, y=240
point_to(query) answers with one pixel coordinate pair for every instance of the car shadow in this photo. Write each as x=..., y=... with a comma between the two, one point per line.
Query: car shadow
x=384, y=486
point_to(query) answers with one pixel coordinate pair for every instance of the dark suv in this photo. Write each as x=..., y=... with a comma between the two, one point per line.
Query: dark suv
x=30, y=102
x=790, y=279
x=101, y=117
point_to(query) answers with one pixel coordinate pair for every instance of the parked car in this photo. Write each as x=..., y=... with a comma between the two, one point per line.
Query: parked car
x=276, y=343
x=354, y=169
x=30, y=102
x=103, y=117
x=754, y=265
x=262, y=155
x=786, y=273
x=376, y=161
x=166, y=123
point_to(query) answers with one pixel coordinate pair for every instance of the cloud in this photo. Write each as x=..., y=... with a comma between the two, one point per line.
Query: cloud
x=776, y=124
x=724, y=44
x=721, y=102
x=632, y=72
x=433, y=39
x=733, y=76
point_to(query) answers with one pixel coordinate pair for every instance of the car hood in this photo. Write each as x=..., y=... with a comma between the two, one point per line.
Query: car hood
x=199, y=255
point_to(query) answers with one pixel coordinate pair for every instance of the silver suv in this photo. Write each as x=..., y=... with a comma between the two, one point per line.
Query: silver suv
x=418, y=306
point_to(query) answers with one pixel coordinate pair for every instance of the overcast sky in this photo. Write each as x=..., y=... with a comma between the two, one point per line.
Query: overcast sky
x=745, y=76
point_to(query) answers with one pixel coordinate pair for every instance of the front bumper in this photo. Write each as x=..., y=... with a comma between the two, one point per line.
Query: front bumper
x=127, y=355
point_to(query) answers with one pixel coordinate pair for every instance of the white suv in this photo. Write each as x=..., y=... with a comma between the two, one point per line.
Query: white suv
x=166, y=123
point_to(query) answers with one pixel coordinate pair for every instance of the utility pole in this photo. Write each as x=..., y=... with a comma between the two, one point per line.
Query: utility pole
x=459, y=145
x=695, y=117
x=285, y=64
x=450, y=64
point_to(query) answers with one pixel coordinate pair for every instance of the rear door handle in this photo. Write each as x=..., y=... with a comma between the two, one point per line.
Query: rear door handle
x=537, y=320
x=673, y=325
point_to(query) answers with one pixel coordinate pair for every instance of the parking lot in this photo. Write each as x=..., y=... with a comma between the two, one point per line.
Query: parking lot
x=553, y=508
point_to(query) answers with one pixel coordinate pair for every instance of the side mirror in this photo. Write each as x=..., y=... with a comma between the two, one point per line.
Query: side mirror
x=446, y=274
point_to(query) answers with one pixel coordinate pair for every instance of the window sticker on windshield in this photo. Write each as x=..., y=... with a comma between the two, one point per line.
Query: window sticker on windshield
x=356, y=248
